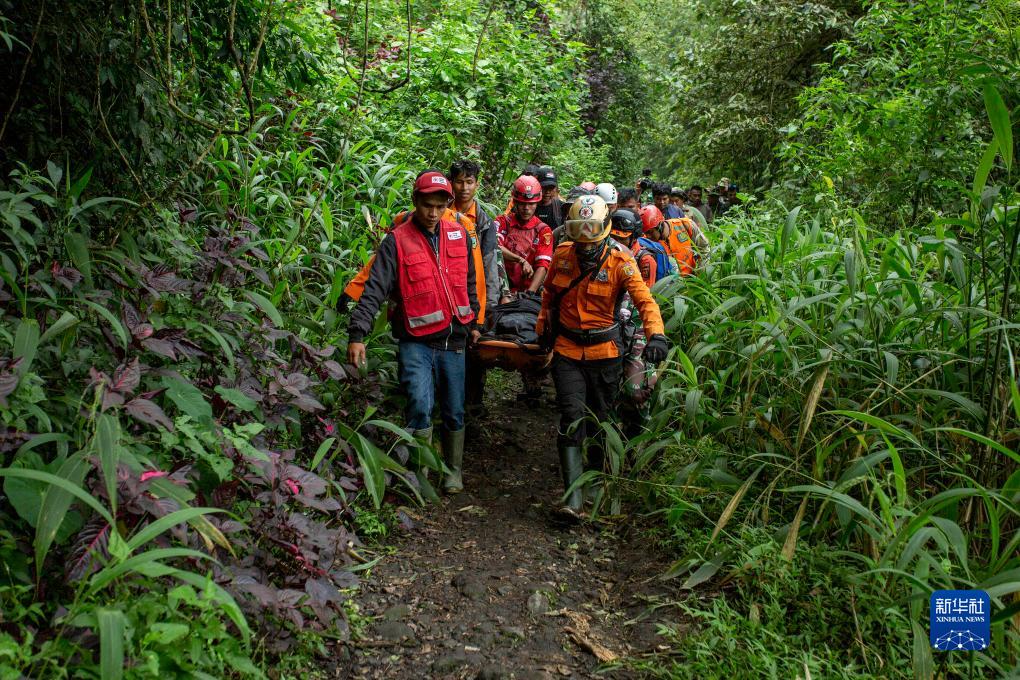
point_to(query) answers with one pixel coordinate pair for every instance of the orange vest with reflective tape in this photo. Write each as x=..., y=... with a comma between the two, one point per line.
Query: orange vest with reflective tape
x=432, y=287
x=679, y=245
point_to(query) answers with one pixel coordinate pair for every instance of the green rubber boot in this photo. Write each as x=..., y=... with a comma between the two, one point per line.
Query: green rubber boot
x=571, y=467
x=453, y=456
x=423, y=437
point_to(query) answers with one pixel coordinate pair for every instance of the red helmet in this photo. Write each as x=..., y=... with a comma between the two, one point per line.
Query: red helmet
x=527, y=190
x=651, y=217
x=590, y=186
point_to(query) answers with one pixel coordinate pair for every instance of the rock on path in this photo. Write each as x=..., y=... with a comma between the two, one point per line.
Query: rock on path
x=491, y=585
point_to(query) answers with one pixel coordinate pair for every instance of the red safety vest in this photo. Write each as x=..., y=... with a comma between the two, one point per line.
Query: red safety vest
x=433, y=289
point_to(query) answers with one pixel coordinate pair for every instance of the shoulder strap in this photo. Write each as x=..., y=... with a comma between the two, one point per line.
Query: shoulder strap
x=554, y=305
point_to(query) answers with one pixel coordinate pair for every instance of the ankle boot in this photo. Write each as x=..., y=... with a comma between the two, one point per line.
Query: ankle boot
x=453, y=456
x=571, y=467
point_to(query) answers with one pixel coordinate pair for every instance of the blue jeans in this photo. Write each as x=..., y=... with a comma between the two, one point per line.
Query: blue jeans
x=424, y=371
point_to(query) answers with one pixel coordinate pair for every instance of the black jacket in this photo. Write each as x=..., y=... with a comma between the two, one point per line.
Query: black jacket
x=382, y=285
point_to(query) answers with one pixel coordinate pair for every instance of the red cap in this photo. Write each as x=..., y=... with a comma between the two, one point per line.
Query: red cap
x=432, y=182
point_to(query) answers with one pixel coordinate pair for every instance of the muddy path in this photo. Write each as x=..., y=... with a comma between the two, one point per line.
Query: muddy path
x=490, y=585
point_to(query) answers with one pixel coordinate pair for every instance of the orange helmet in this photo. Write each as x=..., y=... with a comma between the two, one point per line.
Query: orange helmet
x=651, y=217
x=590, y=186
x=527, y=190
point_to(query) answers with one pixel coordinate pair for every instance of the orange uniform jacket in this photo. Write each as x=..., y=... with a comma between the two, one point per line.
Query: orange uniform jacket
x=593, y=303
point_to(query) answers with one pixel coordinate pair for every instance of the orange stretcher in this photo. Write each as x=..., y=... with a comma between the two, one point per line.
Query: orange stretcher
x=511, y=355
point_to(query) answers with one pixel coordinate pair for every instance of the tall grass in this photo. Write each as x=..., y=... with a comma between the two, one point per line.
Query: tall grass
x=851, y=388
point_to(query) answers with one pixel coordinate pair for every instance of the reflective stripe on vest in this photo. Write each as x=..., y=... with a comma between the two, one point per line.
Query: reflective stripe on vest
x=433, y=287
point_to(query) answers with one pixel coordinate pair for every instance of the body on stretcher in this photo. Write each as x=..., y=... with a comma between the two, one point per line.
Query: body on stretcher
x=510, y=342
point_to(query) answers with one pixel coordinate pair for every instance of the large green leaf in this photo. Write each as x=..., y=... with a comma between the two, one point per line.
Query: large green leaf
x=189, y=399
x=111, y=624
x=106, y=445
x=78, y=250
x=26, y=344
x=998, y=116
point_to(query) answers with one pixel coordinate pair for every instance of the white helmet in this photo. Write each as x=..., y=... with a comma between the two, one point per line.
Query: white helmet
x=607, y=192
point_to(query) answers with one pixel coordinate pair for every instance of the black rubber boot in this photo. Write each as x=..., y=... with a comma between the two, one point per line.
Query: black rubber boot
x=571, y=467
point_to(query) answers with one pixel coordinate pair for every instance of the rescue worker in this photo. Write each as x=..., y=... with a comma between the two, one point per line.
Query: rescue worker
x=578, y=320
x=481, y=229
x=694, y=201
x=575, y=193
x=627, y=230
x=527, y=246
x=425, y=269
x=702, y=245
x=676, y=242
x=463, y=176
x=607, y=192
x=550, y=210
x=525, y=241
x=638, y=378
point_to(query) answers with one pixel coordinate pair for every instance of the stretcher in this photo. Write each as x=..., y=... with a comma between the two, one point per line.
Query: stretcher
x=511, y=355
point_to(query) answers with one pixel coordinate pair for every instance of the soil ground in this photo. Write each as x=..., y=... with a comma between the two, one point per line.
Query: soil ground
x=489, y=584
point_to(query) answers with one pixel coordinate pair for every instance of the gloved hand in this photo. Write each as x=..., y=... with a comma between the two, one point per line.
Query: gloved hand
x=655, y=349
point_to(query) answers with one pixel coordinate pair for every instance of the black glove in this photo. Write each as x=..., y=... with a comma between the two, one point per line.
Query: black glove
x=655, y=350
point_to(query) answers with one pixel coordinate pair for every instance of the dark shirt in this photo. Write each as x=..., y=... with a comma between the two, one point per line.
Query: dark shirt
x=551, y=214
x=672, y=212
x=382, y=284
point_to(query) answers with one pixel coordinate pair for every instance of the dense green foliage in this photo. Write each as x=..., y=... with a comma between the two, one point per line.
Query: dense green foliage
x=185, y=189
x=185, y=462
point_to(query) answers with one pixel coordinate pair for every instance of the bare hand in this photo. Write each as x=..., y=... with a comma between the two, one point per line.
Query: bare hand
x=475, y=335
x=527, y=269
x=356, y=354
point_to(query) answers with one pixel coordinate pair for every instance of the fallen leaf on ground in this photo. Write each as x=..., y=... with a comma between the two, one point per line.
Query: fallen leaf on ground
x=580, y=632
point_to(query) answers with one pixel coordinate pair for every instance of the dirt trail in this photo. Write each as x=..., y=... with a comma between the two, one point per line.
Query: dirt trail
x=491, y=585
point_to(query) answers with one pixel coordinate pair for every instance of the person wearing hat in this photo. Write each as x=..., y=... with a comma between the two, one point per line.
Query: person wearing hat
x=425, y=269
x=586, y=285
x=731, y=195
x=550, y=209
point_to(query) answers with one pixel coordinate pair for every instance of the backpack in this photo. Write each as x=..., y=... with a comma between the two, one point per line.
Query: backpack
x=663, y=265
x=515, y=320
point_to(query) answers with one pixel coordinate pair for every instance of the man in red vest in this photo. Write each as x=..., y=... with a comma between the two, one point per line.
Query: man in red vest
x=424, y=267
